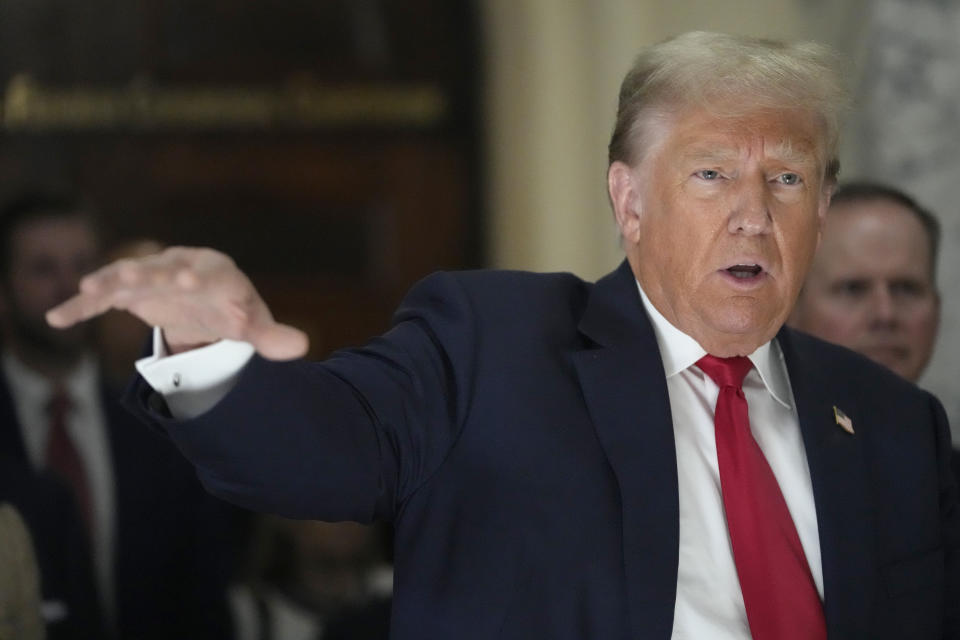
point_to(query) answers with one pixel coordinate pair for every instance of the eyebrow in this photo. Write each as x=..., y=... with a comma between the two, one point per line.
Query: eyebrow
x=785, y=151
x=711, y=155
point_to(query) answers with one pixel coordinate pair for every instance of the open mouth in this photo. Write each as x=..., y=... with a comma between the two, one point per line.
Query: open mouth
x=745, y=271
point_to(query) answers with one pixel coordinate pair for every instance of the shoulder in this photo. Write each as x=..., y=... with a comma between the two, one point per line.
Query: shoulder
x=839, y=362
x=502, y=291
x=845, y=373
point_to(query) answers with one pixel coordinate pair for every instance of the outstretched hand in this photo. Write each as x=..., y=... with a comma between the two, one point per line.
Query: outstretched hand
x=197, y=296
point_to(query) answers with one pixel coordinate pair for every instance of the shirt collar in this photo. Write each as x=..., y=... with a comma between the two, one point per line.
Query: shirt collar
x=80, y=383
x=679, y=352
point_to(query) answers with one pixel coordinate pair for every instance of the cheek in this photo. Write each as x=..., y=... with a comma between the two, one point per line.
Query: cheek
x=798, y=237
x=836, y=322
x=923, y=320
x=34, y=293
x=800, y=255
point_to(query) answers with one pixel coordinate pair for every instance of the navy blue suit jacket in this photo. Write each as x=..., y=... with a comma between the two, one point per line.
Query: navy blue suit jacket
x=172, y=540
x=516, y=430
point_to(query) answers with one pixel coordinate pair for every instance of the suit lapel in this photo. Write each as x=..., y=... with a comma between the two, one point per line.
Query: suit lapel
x=838, y=473
x=626, y=393
x=11, y=438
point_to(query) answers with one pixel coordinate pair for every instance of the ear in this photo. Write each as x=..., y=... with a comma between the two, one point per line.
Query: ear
x=937, y=311
x=823, y=204
x=624, y=191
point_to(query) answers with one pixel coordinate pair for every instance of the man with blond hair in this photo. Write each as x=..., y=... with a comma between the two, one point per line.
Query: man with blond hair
x=650, y=456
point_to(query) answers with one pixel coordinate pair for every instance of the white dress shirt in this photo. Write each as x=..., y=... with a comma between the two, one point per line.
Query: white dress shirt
x=87, y=428
x=709, y=602
x=192, y=382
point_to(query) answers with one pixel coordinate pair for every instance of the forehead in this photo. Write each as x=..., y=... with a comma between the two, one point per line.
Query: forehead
x=788, y=135
x=53, y=235
x=875, y=234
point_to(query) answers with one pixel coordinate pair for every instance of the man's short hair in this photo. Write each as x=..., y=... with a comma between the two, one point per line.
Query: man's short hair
x=29, y=206
x=866, y=191
x=719, y=71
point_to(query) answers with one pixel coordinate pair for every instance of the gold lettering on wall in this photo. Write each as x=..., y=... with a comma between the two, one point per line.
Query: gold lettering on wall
x=29, y=106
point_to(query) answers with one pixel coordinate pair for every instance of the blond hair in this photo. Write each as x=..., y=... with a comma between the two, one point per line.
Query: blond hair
x=728, y=75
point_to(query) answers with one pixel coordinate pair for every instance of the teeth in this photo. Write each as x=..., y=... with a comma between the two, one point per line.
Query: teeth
x=744, y=271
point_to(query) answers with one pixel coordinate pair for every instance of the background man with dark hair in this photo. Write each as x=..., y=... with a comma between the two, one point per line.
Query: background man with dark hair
x=873, y=284
x=153, y=536
x=872, y=287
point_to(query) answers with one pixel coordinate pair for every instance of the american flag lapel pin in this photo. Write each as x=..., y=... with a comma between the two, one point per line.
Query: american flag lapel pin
x=843, y=420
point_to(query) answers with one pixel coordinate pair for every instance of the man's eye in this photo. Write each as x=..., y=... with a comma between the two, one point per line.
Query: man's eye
x=908, y=288
x=789, y=179
x=43, y=268
x=708, y=174
x=851, y=288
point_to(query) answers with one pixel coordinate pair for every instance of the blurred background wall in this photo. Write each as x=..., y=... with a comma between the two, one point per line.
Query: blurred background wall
x=341, y=149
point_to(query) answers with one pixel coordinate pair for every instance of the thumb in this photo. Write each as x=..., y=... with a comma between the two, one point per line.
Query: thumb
x=276, y=341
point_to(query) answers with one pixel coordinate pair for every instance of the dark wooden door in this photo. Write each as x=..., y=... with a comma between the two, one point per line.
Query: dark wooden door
x=329, y=146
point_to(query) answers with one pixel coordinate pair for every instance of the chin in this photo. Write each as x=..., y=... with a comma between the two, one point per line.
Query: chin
x=739, y=322
x=62, y=344
x=739, y=338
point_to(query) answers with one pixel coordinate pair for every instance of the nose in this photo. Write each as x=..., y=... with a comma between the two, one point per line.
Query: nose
x=883, y=308
x=68, y=281
x=750, y=213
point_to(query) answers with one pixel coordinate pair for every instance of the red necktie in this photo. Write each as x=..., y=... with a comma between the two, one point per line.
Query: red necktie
x=63, y=458
x=778, y=589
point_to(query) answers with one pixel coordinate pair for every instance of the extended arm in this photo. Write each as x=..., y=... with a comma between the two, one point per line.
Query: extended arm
x=349, y=438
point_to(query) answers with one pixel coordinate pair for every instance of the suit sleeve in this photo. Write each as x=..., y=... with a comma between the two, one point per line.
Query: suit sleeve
x=346, y=439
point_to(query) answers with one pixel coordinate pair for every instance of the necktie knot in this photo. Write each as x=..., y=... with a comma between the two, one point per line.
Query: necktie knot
x=726, y=372
x=59, y=404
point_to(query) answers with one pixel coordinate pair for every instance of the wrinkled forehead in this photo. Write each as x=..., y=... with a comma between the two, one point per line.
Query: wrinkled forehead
x=725, y=145
x=721, y=132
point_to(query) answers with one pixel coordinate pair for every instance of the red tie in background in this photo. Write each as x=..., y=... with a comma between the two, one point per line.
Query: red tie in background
x=63, y=457
x=778, y=589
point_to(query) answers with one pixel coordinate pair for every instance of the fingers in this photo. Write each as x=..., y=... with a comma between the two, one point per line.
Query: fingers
x=78, y=308
x=196, y=296
x=279, y=342
x=113, y=286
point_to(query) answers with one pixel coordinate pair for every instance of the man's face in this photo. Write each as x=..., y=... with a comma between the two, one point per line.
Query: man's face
x=720, y=221
x=871, y=286
x=48, y=256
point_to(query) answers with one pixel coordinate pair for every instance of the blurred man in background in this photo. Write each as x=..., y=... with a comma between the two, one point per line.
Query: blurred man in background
x=872, y=287
x=156, y=540
x=873, y=284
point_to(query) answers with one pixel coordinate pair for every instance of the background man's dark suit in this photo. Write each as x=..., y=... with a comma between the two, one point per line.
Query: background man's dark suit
x=171, y=542
x=60, y=545
x=516, y=429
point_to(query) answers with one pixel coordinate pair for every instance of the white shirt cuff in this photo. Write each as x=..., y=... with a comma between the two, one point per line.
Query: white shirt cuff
x=192, y=382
